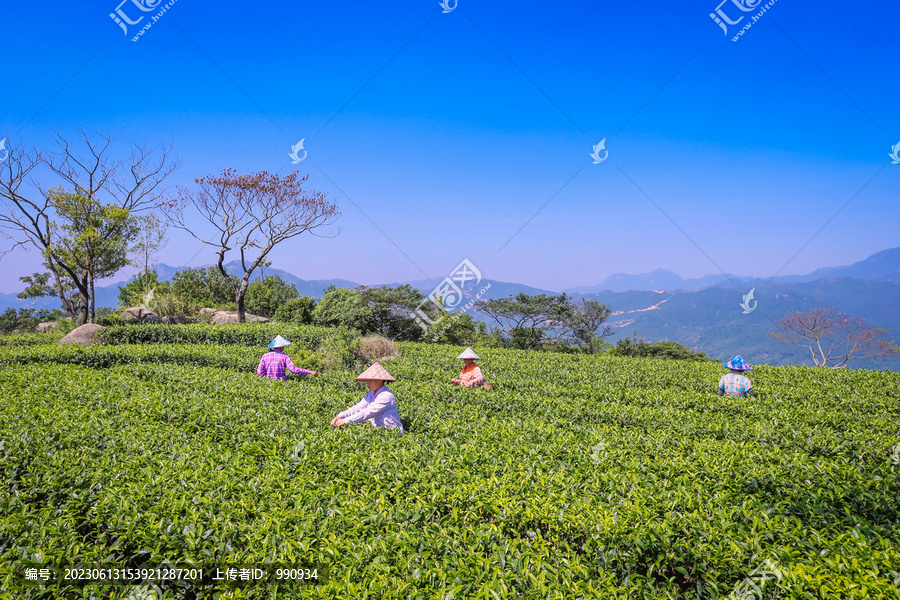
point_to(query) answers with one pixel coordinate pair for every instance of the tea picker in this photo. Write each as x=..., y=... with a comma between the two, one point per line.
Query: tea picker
x=471, y=375
x=736, y=383
x=379, y=406
x=274, y=364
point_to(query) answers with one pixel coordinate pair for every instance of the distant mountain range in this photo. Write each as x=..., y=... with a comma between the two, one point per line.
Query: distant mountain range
x=703, y=313
x=883, y=266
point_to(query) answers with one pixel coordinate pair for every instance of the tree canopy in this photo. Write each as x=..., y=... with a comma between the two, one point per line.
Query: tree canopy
x=250, y=214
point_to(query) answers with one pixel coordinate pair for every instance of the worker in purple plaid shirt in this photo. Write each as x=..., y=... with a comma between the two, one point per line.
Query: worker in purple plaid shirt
x=275, y=363
x=736, y=383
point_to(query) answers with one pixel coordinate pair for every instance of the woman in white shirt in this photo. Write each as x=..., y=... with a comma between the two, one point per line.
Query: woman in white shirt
x=379, y=406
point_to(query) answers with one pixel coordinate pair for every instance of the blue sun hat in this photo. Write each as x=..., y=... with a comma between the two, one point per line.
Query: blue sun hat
x=279, y=342
x=737, y=364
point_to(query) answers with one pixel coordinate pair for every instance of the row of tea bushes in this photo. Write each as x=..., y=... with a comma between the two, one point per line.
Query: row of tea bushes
x=576, y=477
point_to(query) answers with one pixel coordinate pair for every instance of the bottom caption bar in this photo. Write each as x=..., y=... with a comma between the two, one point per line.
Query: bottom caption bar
x=230, y=575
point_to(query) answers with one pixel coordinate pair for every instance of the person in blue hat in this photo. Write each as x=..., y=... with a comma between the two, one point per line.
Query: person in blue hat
x=736, y=383
x=275, y=363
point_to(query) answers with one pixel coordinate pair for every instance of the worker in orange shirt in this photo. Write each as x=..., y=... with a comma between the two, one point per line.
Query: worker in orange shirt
x=471, y=373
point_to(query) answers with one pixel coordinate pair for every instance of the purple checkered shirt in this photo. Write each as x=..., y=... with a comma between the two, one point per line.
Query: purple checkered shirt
x=274, y=365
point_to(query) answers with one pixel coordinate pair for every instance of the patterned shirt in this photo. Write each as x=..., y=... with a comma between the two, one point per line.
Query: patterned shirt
x=471, y=375
x=735, y=384
x=274, y=365
x=379, y=408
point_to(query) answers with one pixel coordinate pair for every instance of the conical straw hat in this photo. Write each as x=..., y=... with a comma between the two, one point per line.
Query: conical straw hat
x=738, y=364
x=468, y=353
x=279, y=342
x=377, y=372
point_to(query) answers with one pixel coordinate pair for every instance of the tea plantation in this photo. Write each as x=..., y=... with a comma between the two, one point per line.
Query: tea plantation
x=576, y=477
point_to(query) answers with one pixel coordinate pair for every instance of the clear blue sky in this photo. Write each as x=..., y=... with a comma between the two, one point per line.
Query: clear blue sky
x=467, y=134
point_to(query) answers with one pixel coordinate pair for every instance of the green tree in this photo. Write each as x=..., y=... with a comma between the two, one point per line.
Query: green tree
x=80, y=228
x=38, y=286
x=266, y=295
x=342, y=306
x=638, y=348
x=586, y=318
x=298, y=311
x=458, y=329
x=91, y=239
x=133, y=292
x=527, y=321
x=391, y=309
x=201, y=287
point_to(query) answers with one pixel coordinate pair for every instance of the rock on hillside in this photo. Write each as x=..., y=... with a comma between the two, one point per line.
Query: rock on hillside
x=86, y=334
x=226, y=317
x=137, y=313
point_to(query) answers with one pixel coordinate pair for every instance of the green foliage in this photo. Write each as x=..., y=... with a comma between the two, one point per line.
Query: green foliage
x=390, y=310
x=577, y=476
x=641, y=349
x=134, y=292
x=306, y=359
x=266, y=295
x=67, y=326
x=90, y=239
x=382, y=310
x=204, y=287
x=298, y=311
x=37, y=286
x=26, y=319
x=549, y=322
x=243, y=334
x=342, y=307
x=51, y=336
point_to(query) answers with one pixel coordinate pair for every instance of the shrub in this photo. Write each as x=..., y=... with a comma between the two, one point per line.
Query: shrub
x=265, y=296
x=14, y=340
x=376, y=347
x=298, y=311
x=306, y=359
x=66, y=326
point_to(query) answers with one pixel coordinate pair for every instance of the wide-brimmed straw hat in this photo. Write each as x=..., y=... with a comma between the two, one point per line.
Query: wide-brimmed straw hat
x=279, y=342
x=468, y=353
x=375, y=372
x=737, y=364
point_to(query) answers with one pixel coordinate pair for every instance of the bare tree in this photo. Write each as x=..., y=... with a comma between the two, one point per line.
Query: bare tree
x=833, y=338
x=251, y=214
x=29, y=212
x=150, y=239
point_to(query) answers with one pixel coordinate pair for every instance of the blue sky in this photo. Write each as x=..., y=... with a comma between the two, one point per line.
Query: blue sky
x=467, y=135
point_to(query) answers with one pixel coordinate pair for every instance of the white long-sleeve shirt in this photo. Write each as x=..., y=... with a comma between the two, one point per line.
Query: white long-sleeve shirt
x=379, y=408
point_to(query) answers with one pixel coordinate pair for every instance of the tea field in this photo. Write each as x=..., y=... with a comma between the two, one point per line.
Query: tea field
x=576, y=477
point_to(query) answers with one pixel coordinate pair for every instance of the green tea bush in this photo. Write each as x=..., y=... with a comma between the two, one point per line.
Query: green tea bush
x=241, y=334
x=577, y=477
x=31, y=339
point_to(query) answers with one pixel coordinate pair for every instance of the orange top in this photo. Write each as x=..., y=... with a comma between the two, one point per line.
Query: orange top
x=471, y=375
